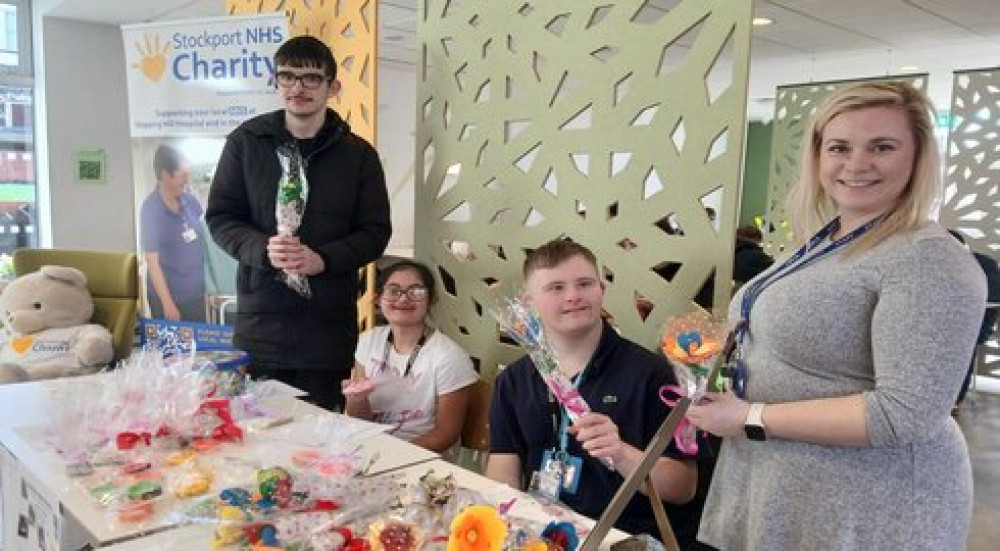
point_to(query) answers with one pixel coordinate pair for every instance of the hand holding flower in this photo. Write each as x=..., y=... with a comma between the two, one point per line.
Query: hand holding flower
x=720, y=413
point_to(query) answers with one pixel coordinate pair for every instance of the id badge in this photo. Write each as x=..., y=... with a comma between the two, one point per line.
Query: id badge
x=189, y=235
x=737, y=372
x=547, y=481
x=567, y=467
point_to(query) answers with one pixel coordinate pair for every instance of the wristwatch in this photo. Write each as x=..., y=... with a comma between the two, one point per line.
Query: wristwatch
x=754, y=425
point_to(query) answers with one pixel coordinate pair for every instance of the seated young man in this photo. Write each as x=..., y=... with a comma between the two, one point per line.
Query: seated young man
x=620, y=381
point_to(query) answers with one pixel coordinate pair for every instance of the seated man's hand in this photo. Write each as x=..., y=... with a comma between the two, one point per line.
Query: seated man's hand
x=598, y=435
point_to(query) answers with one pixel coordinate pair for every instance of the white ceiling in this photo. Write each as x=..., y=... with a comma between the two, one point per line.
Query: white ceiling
x=810, y=40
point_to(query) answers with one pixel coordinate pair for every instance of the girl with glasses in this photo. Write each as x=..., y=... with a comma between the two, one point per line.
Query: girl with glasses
x=407, y=374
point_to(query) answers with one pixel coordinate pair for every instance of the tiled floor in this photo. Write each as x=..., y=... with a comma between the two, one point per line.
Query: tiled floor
x=980, y=421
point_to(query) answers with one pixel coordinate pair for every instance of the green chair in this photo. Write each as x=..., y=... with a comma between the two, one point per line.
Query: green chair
x=112, y=280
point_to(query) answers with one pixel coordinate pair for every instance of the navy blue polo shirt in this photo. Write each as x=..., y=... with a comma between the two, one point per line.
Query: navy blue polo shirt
x=621, y=381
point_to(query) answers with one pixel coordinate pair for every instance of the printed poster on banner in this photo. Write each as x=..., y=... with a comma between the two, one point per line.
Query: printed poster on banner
x=201, y=77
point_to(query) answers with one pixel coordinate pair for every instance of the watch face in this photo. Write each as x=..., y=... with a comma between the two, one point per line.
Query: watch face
x=755, y=432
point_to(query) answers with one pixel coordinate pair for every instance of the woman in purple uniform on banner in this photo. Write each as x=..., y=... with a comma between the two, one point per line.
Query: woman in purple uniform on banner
x=837, y=429
x=173, y=242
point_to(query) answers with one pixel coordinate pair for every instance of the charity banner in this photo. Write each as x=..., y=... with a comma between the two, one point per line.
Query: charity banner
x=201, y=77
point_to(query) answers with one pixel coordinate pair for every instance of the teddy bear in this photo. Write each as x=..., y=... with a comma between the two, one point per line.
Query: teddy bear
x=45, y=331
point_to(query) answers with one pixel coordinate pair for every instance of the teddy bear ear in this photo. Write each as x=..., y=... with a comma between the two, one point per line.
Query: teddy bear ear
x=63, y=273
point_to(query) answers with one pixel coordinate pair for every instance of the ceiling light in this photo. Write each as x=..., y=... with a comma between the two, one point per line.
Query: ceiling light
x=761, y=21
x=909, y=69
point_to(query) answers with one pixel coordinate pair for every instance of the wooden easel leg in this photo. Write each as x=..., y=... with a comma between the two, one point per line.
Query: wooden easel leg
x=666, y=532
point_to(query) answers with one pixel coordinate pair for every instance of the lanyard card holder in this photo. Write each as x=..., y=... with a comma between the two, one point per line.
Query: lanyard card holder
x=723, y=369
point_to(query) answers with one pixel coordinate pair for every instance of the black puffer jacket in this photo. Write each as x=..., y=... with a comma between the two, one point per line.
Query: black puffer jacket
x=346, y=221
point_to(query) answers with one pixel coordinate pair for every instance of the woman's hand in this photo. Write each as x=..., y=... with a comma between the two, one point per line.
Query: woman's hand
x=720, y=413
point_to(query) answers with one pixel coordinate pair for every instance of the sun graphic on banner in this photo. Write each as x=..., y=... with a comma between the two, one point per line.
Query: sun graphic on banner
x=153, y=57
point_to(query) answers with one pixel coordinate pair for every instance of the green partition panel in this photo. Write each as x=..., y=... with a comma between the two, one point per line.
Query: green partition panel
x=972, y=173
x=614, y=124
x=755, y=171
x=794, y=105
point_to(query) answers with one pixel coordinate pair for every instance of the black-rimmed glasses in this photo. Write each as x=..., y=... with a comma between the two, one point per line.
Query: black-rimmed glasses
x=415, y=293
x=287, y=79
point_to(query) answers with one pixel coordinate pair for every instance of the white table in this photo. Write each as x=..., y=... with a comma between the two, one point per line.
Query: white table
x=31, y=464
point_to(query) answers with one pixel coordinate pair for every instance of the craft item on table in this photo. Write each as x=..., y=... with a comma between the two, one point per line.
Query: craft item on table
x=216, y=417
x=129, y=440
x=108, y=458
x=144, y=490
x=692, y=343
x=395, y=535
x=561, y=536
x=293, y=193
x=237, y=497
x=306, y=458
x=193, y=481
x=180, y=457
x=477, y=528
x=201, y=510
x=81, y=468
x=230, y=528
x=275, y=487
x=327, y=463
x=136, y=467
x=135, y=511
x=105, y=494
x=438, y=490
x=203, y=444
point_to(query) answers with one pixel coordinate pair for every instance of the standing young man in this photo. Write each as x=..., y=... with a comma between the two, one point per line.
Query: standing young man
x=619, y=380
x=306, y=342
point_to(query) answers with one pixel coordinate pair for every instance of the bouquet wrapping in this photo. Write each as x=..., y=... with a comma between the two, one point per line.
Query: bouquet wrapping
x=521, y=323
x=293, y=191
x=692, y=343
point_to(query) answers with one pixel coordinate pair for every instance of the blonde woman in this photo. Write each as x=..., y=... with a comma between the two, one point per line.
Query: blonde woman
x=837, y=431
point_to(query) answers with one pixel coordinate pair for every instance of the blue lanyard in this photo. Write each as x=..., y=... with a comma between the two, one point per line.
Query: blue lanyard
x=795, y=263
x=564, y=417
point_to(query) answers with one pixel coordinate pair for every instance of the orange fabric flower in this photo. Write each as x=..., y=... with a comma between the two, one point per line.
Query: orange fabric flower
x=535, y=545
x=692, y=338
x=477, y=528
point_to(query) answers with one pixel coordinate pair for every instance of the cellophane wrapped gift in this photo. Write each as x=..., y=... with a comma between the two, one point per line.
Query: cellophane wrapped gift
x=293, y=192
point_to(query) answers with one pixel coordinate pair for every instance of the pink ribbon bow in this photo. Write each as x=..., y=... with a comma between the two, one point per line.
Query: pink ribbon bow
x=685, y=434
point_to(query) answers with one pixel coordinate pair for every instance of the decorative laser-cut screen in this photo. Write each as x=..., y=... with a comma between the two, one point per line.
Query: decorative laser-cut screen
x=972, y=172
x=349, y=28
x=794, y=106
x=615, y=124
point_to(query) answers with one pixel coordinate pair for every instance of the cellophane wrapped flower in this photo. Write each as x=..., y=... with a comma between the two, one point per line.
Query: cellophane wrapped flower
x=521, y=323
x=692, y=343
x=293, y=191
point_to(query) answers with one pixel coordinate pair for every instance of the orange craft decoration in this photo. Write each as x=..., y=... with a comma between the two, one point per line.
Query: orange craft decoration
x=477, y=528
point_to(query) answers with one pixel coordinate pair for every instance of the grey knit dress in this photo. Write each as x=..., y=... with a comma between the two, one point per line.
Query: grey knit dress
x=896, y=324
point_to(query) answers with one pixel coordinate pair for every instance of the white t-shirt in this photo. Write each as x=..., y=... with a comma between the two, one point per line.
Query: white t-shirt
x=410, y=404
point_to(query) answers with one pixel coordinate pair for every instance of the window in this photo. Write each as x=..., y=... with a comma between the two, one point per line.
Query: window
x=18, y=192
